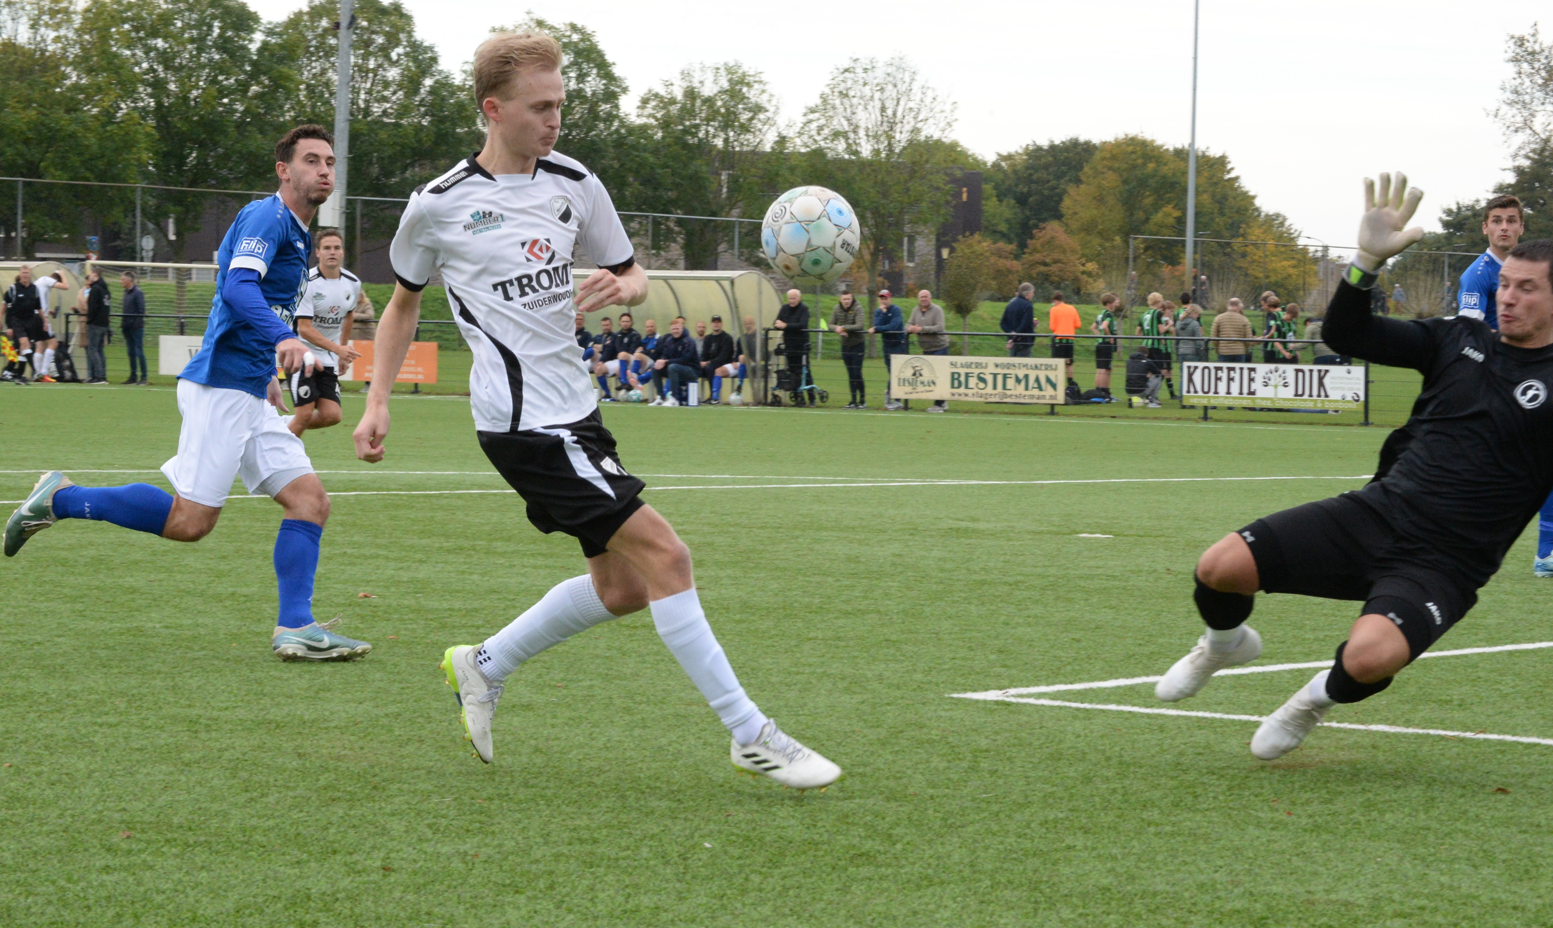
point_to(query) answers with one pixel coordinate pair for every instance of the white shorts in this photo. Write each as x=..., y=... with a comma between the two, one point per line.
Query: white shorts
x=226, y=434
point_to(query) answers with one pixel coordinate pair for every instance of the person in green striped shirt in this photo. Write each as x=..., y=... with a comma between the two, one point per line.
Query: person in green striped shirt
x=1157, y=321
x=1284, y=330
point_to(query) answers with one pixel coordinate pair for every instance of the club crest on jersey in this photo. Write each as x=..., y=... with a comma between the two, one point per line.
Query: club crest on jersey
x=483, y=220
x=561, y=209
x=540, y=250
x=1531, y=394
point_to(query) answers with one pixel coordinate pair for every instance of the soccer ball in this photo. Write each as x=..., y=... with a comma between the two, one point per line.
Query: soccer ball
x=635, y=396
x=810, y=235
x=736, y=399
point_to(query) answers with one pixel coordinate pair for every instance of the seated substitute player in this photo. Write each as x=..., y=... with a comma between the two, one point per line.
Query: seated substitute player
x=323, y=319
x=616, y=361
x=1454, y=488
x=228, y=428
x=644, y=359
x=718, y=358
x=534, y=411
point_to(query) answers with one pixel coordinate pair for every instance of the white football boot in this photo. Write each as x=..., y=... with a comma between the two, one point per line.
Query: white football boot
x=476, y=696
x=1284, y=730
x=1542, y=567
x=777, y=755
x=1192, y=672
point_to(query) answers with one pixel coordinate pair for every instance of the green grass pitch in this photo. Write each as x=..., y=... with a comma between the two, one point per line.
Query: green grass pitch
x=161, y=769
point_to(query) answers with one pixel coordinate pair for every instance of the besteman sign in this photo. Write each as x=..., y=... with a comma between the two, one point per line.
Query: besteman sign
x=1273, y=386
x=987, y=380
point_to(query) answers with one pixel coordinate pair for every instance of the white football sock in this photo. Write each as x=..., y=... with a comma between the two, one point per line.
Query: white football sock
x=1316, y=690
x=48, y=361
x=683, y=627
x=1227, y=639
x=570, y=607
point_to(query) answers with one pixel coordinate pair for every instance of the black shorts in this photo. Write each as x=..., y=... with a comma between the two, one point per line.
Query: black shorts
x=1103, y=353
x=31, y=329
x=570, y=477
x=1340, y=548
x=1062, y=348
x=1159, y=354
x=322, y=384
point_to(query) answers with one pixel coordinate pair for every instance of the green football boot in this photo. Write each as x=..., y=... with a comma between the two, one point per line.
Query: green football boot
x=317, y=643
x=36, y=514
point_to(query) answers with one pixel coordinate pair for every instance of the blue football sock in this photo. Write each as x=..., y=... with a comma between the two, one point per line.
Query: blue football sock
x=604, y=383
x=717, y=387
x=296, y=561
x=139, y=506
x=1545, y=529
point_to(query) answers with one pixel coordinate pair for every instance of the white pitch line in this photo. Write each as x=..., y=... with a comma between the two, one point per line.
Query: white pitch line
x=1389, y=729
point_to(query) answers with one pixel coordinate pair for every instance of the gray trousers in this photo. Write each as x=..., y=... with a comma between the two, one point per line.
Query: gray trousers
x=96, y=357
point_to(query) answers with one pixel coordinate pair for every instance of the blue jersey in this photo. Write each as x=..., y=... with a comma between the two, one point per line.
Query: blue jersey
x=1479, y=284
x=268, y=238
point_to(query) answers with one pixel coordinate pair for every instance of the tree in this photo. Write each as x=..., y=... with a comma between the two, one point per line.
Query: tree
x=709, y=130
x=967, y=276
x=410, y=120
x=1526, y=113
x=1034, y=180
x=878, y=125
x=1052, y=260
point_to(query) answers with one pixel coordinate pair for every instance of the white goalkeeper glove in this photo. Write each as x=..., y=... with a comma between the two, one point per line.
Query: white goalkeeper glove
x=1382, y=230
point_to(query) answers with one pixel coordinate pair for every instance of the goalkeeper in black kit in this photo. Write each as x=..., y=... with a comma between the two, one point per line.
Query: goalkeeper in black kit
x=1454, y=488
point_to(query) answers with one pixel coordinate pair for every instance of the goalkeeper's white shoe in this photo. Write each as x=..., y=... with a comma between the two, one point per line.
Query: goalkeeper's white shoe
x=777, y=755
x=1192, y=672
x=476, y=696
x=1284, y=730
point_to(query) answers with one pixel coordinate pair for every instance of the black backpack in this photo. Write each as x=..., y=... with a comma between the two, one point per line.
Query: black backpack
x=1075, y=395
x=65, y=364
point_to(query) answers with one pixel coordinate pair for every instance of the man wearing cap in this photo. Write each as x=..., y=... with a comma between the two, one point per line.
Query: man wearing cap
x=892, y=330
x=719, y=358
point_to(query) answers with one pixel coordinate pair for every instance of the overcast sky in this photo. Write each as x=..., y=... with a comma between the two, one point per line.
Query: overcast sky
x=1305, y=98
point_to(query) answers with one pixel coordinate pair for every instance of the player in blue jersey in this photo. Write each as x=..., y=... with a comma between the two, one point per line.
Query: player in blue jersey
x=225, y=395
x=1503, y=223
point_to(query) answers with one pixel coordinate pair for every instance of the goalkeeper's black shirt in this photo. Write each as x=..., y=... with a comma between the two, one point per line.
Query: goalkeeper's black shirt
x=1474, y=462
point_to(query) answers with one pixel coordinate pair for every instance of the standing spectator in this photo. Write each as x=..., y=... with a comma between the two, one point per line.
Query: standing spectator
x=1398, y=297
x=1232, y=334
x=1106, y=326
x=1283, y=335
x=676, y=365
x=927, y=323
x=133, y=324
x=793, y=320
x=1323, y=352
x=1064, y=322
x=1144, y=376
x=1272, y=311
x=99, y=322
x=849, y=322
x=1019, y=319
x=1157, y=324
x=749, y=352
x=75, y=323
x=1378, y=302
x=719, y=358
x=1191, y=346
x=892, y=339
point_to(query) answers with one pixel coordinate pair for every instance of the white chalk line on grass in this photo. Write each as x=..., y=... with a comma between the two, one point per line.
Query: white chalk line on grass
x=1020, y=695
x=791, y=486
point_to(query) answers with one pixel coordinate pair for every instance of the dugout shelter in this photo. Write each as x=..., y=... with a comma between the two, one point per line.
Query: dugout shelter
x=61, y=299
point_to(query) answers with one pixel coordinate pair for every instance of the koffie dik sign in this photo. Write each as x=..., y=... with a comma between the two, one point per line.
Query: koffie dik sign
x=1273, y=386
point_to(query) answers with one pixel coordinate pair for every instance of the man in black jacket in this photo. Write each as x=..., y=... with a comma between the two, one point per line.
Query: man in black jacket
x=133, y=325
x=793, y=320
x=719, y=358
x=675, y=364
x=1454, y=488
x=1018, y=319
x=99, y=311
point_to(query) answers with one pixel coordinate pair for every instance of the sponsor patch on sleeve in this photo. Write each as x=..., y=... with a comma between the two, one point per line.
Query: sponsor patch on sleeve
x=252, y=246
x=1470, y=299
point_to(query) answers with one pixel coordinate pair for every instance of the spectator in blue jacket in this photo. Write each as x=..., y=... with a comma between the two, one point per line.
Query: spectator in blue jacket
x=892, y=331
x=133, y=325
x=676, y=364
x=1019, y=319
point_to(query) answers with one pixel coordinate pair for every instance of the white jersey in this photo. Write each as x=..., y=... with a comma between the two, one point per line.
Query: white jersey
x=328, y=303
x=505, y=246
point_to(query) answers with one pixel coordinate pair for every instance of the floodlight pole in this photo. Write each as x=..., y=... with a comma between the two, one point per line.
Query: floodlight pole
x=1191, y=169
x=333, y=211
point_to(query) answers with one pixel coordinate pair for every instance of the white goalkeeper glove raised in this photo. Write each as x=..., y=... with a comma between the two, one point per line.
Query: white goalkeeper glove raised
x=1382, y=230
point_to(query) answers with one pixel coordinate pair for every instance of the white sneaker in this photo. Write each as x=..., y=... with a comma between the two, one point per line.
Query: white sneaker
x=475, y=694
x=671, y=401
x=777, y=755
x=1192, y=672
x=1283, y=731
x=1542, y=567
x=657, y=401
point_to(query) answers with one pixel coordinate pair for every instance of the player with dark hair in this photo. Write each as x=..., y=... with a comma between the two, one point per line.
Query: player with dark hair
x=229, y=430
x=323, y=320
x=1454, y=488
x=534, y=408
x=1504, y=221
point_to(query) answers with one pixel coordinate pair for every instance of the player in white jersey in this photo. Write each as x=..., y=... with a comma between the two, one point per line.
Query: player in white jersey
x=503, y=228
x=323, y=319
